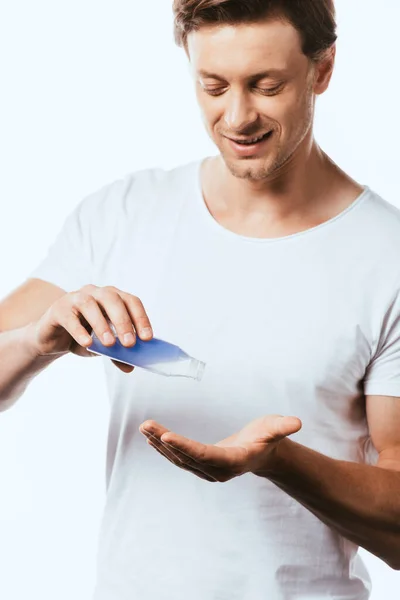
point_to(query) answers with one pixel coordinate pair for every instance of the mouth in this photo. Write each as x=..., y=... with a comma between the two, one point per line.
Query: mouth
x=251, y=141
x=250, y=147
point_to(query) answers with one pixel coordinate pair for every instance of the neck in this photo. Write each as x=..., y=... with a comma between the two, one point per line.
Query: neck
x=291, y=188
x=307, y=190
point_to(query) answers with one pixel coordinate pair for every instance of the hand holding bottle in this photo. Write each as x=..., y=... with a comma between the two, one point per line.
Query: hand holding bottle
x=67, y=324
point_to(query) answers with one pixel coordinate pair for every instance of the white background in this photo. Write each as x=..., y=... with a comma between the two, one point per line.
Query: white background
x=91, y=90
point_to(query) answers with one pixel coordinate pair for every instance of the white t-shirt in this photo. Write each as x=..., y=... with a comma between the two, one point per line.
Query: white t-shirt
x=300, y=325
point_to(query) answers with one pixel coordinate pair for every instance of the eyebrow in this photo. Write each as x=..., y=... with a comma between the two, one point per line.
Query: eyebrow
x=255, y=76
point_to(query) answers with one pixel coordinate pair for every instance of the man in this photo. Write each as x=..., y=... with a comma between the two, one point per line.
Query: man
x=278, y=270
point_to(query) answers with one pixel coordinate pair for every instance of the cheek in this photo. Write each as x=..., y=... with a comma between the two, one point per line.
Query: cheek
x=288, y=105
x=289, y=112
x=280, y=109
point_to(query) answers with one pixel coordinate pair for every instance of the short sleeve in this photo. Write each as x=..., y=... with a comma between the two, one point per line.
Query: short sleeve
x=78, y=252
x=90, y=237
x=383, y=373
x=68, y=262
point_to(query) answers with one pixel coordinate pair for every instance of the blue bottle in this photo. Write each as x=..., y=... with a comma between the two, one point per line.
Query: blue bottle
x=154, y=355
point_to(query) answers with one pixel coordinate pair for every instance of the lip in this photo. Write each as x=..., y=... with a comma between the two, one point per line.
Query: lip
x=248, y=150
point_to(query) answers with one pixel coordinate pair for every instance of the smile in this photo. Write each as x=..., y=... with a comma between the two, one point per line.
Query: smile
x=249, y=142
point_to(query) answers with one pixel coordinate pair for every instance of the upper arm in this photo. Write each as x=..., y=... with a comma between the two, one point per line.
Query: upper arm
x=383, y=415
x=27, y=303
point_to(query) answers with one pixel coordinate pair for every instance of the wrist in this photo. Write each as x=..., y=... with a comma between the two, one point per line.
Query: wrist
x=274, y=461
x=30, y=345
x=29, y=340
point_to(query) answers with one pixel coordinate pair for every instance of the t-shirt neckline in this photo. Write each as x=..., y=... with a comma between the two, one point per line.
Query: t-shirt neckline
x=238, y=237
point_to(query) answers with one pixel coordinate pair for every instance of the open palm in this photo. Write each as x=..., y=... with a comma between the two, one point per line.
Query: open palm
x=248, y=450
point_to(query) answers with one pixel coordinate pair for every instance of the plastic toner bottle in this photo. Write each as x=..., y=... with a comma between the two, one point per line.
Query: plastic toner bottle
x=154, y=355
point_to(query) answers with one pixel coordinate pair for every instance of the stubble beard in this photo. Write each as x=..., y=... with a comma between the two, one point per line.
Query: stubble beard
x=244, y=169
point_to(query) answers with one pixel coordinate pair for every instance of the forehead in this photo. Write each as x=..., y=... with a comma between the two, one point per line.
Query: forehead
x=239, y=50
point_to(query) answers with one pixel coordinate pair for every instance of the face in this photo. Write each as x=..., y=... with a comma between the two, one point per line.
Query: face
x=255, y=88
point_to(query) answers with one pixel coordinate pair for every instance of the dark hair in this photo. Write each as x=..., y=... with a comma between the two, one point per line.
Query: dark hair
x=313, y=19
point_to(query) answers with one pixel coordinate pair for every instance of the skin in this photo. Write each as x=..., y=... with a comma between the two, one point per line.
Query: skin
x=289, y=187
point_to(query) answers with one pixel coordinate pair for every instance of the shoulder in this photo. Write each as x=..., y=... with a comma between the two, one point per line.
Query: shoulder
x=379, y=213
x=377, y=235
x=138, y=190
x=376, y=225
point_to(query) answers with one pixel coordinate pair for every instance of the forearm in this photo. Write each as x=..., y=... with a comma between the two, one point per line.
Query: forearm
x=361, y=502
x=19, y=364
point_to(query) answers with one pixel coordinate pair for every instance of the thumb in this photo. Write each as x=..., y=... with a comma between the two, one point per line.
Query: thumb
x=284, y=426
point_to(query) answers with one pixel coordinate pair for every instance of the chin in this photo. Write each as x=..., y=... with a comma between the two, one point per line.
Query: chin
x=250, y=168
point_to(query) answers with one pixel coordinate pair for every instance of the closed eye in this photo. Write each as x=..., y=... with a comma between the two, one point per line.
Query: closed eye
x=270, y=91
x=264, y=91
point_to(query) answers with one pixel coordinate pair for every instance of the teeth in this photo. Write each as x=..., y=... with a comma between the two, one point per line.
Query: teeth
x=259, y=138
x=253, y=141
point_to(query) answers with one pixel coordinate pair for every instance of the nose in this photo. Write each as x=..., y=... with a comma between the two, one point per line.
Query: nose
x=240, y=112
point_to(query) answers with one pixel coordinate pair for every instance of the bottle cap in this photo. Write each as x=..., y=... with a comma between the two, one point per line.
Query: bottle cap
x=197, y=368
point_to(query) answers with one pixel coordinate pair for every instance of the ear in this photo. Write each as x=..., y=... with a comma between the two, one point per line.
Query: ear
x=323, y=70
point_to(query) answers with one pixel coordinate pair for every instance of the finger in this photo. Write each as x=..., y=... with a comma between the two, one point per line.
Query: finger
x=184, y=467
x=74, y=327
x=170, y=454
x=110, y=300
x=163, y=435
x=138, y=315
x=85, y=309
x=68, y=317
x=230, y=464
x=200, y=453
x=176, y=462
x=153, y=427
x=284, y=426
x=157, y=446
x=215, y=473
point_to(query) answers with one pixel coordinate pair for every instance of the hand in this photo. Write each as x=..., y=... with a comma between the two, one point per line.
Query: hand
x=65, y=326
x=251, y=450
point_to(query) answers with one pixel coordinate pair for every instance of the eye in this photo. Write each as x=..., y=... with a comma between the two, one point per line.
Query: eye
x=265, y=91
x=214, y=91
x=270, y=91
